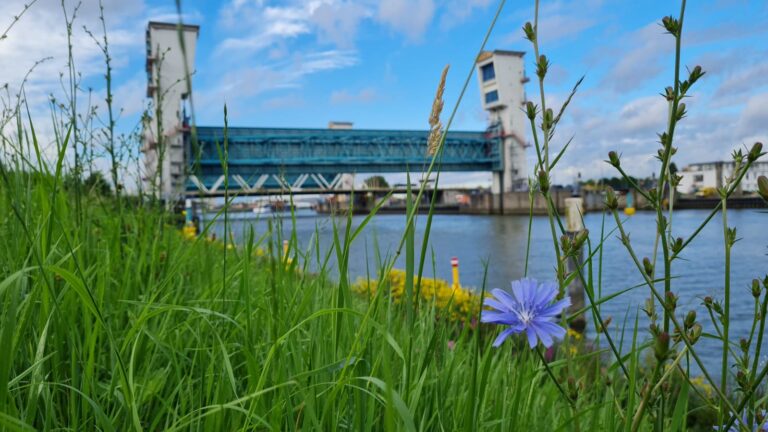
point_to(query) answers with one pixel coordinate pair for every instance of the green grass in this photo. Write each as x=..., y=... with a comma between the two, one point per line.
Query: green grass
x=132, y=327
x=111, y=320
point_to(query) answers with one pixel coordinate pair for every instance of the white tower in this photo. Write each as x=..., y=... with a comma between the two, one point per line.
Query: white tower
x=502, y=75
x=167, y=84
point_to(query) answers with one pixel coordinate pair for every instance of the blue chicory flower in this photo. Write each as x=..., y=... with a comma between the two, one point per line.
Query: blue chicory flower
x=530, y=308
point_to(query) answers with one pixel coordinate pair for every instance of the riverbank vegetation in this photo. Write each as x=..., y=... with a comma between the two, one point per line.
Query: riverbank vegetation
x=112, y=319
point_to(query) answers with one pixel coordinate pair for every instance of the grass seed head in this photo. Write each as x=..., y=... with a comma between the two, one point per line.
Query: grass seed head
x=435, y=126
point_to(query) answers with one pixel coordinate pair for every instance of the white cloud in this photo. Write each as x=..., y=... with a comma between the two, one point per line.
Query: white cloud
x=455, y=12
x=558, y=21
x=243, y=83
x=338, y=23
x=256, y=25
x=742, y=82
x=641, y=63
x=410, y=17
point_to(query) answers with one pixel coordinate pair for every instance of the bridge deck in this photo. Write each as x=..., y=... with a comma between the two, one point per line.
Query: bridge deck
x=269, y=158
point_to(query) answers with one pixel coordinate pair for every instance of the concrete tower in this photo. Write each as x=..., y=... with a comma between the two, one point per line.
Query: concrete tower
x=502, y=75
x=167, y=84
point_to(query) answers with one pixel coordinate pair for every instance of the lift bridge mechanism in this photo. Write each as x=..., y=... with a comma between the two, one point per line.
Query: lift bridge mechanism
x=262, y=159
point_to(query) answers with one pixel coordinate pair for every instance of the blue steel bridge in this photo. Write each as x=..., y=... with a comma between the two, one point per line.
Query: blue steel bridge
x=269, y=160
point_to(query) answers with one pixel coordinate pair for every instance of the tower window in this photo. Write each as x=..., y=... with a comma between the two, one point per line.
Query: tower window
x=492, y=96
x=488, y=72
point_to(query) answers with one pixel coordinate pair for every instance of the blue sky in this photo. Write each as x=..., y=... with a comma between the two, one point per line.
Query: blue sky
x=376, y=63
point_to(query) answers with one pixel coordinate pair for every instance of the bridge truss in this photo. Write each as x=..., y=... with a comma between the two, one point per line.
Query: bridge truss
x=263, y=160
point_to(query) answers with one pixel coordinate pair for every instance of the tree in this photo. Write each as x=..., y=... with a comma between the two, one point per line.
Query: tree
x=94, y=183
x=376, y=182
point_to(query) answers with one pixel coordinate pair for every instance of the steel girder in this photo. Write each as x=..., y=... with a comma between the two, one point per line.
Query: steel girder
x=268, y=158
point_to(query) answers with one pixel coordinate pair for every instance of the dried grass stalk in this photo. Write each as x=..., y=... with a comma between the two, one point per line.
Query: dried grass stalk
x=435, y=126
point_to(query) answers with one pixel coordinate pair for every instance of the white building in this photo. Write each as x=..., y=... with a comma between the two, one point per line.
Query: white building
x=168, y=81
x=715, y=174
x=502, y=75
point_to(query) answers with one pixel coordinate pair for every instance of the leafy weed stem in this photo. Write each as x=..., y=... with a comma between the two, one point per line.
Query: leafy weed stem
x=595, y=308
x=674, y=321
x=728, y=243
x=554, y=379
x=755, y=360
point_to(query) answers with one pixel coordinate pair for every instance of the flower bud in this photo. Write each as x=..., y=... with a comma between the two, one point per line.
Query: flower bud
x=756, y=288
x=737, y=156
x=671, y=24
x=695, y=74
x=762, y=187
x=565, y=244
x=580, y=238
x=690, y=319
x=663, y=139
x=669, y=94
x=680, y=113
x=742, y=380
x=695, y=333
x=677, y=245
x=708, y=301
x=530, y=110
x=611, y=202
x=744, y=345
x=661, y=349
x=648, y=266
x=613, y=159
x=717, y=307
x=529, y=31
x=671, y=301
x=543, y=181
x=548, y=119
x=541, y=66
x=755, y=152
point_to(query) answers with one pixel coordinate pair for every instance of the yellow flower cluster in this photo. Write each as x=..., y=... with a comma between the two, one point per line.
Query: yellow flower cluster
x=453, y=303
x=703, y=386
x=189, y=231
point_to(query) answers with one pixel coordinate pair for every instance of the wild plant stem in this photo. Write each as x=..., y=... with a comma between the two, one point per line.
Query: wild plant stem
x=726, y=307
x=758, y=346
x=595, y=310
x=675, y=322
x=552, y=376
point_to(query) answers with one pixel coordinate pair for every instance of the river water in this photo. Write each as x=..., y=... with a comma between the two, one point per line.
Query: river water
x=500, y=243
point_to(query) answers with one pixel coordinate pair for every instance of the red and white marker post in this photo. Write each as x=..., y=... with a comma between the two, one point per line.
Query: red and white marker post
x=455, y=271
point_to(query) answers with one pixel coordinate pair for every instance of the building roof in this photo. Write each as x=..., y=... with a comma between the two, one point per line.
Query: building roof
x=172, y=26
x=510, y=53
x=485, y=55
